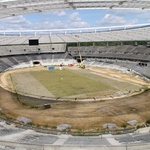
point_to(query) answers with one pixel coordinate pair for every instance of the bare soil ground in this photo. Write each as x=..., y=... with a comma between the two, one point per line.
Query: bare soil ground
x=87, y=116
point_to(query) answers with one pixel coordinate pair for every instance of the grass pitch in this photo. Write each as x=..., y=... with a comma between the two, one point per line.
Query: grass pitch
x=87, y=116
x=67, y=82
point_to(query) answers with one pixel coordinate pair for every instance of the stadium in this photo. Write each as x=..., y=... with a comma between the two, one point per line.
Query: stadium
x=85, y=88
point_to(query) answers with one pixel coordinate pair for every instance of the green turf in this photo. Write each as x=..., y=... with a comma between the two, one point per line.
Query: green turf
x=67, y=82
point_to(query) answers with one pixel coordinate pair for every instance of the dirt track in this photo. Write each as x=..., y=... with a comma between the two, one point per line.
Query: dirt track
x=87, y=116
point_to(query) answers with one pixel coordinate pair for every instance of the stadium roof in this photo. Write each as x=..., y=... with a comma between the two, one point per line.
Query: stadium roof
x=18, y=7
x=128, y=34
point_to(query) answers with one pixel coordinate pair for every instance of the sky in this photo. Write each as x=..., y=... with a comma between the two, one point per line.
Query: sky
x=76, y=19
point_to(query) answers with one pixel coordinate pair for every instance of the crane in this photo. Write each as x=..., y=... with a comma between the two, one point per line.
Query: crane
x=81, y=65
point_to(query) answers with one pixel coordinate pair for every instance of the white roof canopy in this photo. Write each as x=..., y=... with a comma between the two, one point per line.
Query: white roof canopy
x=18, y=7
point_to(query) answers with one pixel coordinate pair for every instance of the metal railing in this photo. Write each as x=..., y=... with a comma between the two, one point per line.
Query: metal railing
x=70, y=31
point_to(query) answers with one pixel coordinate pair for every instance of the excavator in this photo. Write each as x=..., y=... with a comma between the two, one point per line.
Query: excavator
x=81, y=65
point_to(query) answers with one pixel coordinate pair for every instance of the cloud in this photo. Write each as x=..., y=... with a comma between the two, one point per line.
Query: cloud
x=72, y=20
x=79, y=24
x=75, y=21
x=145, y=14
x=112, y=20
x=17, y=23
x=49, y=25
x=74, y=17
x=123, y=12
x=138, y=15
x=60, y=13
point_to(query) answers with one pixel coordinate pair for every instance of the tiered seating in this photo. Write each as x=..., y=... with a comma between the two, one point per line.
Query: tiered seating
x=86, y=141
x=26, y=49
x=120, y=65
x=113, y=52
x=21, y=61
x=134, y=138
x=3, y=65
x=145, y=70
x=78, y=35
